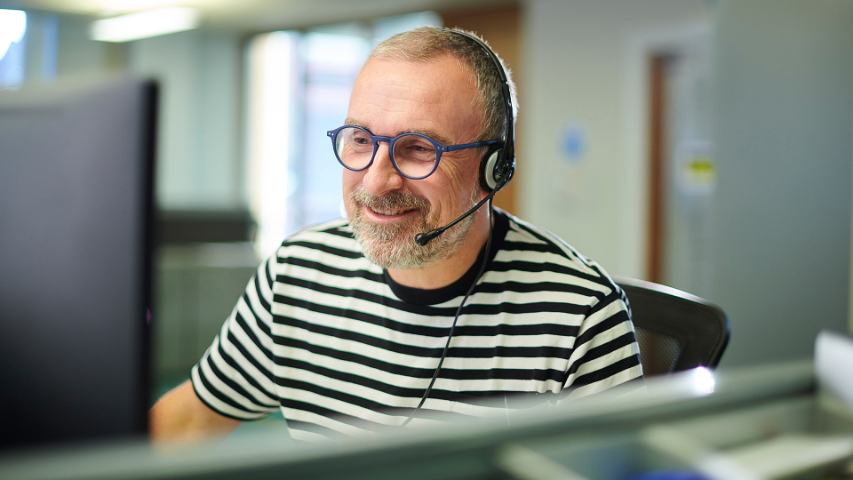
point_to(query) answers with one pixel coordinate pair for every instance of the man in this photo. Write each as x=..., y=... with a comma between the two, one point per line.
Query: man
x=353, y=326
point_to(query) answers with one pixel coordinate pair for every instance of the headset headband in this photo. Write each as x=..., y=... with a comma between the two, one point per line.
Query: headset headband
x=502, y=167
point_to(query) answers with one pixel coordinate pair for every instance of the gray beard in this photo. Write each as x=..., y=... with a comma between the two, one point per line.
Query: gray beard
x=393, y=246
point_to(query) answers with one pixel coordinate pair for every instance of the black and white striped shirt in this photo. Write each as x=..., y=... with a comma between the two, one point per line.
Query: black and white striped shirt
x=330, y=339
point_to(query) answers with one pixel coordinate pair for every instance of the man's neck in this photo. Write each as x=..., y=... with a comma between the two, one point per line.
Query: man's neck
x=444, y=272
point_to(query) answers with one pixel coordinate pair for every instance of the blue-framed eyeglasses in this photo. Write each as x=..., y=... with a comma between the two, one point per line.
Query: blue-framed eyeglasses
x=414, y=155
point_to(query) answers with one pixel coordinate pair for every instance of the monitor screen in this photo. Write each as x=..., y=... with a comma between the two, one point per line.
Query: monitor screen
x=76, y=173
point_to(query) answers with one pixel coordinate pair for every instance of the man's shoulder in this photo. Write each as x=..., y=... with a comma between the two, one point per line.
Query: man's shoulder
x=333, y=235
x=526, y=237
x=531, y=246
x=338, y=226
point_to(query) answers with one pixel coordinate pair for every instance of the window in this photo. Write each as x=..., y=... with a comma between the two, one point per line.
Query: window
x=13, y=27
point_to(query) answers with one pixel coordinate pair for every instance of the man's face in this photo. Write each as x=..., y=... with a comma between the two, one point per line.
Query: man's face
x=436, y=97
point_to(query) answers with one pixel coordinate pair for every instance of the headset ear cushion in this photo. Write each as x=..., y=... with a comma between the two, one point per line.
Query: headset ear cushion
x=487, y=170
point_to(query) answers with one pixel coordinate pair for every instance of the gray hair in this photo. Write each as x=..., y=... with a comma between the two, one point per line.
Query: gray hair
x=426, y=43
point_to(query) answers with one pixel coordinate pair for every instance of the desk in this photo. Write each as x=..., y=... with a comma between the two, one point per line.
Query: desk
x=769, y=422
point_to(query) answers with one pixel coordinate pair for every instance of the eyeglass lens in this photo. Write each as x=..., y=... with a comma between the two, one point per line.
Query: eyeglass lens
x=414, y=155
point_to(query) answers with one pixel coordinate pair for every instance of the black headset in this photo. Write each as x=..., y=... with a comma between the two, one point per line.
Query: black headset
x=498, y=165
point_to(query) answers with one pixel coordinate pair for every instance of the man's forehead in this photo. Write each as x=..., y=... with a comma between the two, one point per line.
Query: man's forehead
x=391, y=58
x=447, y=71
x=393, y=95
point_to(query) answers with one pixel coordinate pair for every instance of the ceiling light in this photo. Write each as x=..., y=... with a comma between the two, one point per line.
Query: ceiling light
x=145, y=24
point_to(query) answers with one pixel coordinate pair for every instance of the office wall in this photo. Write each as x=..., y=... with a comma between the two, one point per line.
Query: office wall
x=59, y=46
x=585, y=72
x=78, y=54
x=782, y=212
x=199, y=158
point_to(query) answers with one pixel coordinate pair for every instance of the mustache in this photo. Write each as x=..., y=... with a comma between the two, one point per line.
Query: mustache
x=389, y=201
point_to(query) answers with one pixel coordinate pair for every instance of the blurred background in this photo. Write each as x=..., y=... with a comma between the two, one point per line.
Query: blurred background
x=701, y=144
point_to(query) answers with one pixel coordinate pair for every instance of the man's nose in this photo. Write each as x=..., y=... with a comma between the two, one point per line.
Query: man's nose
x=382, y=177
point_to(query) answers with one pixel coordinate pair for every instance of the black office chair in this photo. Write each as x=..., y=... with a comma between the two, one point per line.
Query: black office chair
x=675, y=330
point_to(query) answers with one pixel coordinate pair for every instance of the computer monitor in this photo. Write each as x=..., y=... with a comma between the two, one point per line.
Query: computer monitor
x=76, y=174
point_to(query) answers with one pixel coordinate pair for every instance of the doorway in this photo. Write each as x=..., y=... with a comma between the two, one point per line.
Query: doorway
x=682, y=172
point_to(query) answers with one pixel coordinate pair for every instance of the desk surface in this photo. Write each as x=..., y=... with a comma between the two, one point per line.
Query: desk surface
x=722, y=425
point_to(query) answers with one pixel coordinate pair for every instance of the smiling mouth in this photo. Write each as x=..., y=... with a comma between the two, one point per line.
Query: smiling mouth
x=390, y=212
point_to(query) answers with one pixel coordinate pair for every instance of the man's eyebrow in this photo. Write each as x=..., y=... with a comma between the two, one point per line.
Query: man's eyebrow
x=435, y=135
x=430, y=133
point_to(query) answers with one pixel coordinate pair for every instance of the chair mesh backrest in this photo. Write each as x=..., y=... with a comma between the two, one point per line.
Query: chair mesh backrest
x=675, y=330
x=659, y=352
